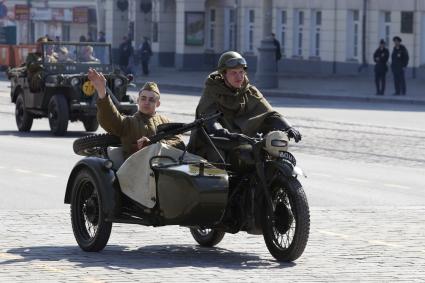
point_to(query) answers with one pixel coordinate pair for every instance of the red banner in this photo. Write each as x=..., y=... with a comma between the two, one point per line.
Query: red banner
x=80, y=15
x=22, y=12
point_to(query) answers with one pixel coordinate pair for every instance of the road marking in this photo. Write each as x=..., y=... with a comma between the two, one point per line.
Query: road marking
x=22, y=171
x=343, y=236
x=47, y=175
x=321, y=175
x=396, y=186
x=356, y=180
x=9, y=256
x=382, y=243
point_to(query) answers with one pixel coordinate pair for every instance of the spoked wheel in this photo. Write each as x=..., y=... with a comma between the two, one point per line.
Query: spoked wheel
x=286, y=231
x=207, y=237
x=58, y=115
x=88, y=222
x=23, y=118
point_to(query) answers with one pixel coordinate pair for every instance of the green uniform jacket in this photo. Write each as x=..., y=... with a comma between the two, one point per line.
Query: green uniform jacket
x=131, y=128
x=244, y=109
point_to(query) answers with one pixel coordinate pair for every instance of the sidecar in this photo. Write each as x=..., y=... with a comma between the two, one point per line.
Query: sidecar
x=156, y=186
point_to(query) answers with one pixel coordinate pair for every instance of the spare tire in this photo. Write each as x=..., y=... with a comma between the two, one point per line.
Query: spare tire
x=89, y=145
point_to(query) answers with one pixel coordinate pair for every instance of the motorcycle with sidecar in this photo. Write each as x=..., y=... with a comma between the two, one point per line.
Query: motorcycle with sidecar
x=255, y=188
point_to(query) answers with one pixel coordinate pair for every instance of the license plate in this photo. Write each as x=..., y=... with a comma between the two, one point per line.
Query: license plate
x=288, y=157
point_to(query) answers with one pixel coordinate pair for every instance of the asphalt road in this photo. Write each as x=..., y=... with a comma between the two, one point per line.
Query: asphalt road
x=365, y=166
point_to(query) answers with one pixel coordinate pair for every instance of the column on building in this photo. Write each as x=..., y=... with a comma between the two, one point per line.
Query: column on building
x=190, y=31
x=116, y=25
x=142, y=17
x=163, y=32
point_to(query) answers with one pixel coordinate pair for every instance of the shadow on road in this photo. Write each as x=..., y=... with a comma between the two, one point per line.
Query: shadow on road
x=155, y=256
x=44, y=134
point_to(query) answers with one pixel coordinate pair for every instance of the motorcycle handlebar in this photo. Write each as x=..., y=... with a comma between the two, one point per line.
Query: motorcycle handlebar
x=184, y=128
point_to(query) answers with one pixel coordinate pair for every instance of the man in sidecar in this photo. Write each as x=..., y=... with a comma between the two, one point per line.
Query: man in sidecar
x=244, y=108
x=132, y=130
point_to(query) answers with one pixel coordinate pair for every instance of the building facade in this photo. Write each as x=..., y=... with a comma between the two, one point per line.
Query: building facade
x=318, y=37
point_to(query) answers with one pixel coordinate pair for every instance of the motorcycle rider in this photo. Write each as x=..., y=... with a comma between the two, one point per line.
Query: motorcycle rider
x=244, y=108
x=133, y=130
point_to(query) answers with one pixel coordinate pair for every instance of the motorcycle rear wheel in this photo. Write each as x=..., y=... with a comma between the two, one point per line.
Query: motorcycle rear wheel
x=286, y=232
x=207, y=237
x=88, y=221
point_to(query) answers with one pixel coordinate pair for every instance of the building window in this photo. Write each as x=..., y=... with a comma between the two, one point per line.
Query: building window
x=353, y=35
x=211, y=29
x=298, y=32
x=249, y=30
x=281, y=30
x=316, y=25
x=386, y=32
x=230, y=31
x=406, y=22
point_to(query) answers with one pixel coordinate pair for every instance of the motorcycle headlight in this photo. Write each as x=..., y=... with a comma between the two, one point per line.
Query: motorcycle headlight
x=276, y=142
x=75, y=81
x=279, y=143
x=118, y=82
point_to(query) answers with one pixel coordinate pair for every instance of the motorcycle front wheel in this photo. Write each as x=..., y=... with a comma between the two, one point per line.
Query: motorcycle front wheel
x=286, y=231
x=207, y=237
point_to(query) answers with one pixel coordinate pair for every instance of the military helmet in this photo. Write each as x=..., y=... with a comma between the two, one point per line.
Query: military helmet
x=229, y=60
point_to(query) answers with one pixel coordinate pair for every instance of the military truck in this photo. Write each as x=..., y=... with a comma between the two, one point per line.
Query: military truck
x=64, y=92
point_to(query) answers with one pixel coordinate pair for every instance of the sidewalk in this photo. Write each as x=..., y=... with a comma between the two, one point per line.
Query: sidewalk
x=347, y=88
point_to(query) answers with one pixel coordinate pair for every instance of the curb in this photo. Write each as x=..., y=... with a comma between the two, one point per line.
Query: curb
x=289, y=94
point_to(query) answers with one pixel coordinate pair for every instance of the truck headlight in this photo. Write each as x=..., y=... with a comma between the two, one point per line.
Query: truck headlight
x=117, y=82
x=75, y=81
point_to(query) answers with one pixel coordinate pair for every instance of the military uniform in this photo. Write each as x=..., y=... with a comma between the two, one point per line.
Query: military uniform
x=35, y=71
x=131, y=128
x=399, y=61
x=380, y=57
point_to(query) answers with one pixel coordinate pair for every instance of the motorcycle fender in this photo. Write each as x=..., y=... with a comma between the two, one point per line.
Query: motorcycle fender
x=105, y=178
x=272, y=166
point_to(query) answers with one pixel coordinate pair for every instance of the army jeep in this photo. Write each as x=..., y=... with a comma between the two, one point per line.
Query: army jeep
x=65, y=93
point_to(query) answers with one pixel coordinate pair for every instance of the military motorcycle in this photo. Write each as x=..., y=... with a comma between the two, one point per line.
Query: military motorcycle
x=255, y=188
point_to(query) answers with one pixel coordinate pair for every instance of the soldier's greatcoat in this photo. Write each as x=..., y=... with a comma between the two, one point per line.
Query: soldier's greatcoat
x=131, y=128
x=244, y=109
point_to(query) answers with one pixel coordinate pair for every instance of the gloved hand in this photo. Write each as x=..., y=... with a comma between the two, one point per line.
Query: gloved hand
x=293, y=133
x=226, y=134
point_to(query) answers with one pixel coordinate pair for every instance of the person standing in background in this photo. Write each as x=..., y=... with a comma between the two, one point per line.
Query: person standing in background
x=399, y=61
x=278, y=52
x=380, y=57
x=145, y=55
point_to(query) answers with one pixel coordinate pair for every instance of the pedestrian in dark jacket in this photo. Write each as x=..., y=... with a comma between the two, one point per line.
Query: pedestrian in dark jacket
x=125, y=52
x=278, y=53
x=145, y=55
x=380, y=57
x=399, y=61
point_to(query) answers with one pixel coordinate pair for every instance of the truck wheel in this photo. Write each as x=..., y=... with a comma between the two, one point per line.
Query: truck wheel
x=90, y=124
x=23, y=117
x=58, y=112
x=90, y=228
x=207, y=237
x=88, y=145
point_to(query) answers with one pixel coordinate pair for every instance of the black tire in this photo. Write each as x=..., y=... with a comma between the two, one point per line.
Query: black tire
x=90, y=124
x=87, y=145
x=286, y=237
x=23, y=118
x=58, y=113
x=88, y=222
x=207, y=237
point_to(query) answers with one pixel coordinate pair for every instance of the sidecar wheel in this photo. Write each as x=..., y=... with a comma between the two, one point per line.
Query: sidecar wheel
x=286, y=237
x=207, y=237
x=88, y=222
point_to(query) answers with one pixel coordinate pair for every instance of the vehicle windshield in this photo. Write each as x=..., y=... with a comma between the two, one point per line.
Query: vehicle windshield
x=66, y=53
